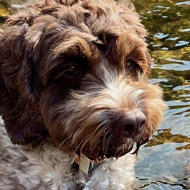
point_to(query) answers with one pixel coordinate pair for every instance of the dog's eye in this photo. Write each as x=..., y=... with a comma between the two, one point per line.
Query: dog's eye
x=71, y=70
x=130, y=63
x=132, y=66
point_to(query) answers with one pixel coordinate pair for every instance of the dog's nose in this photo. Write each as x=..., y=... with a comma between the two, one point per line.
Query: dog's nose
x=131, y=126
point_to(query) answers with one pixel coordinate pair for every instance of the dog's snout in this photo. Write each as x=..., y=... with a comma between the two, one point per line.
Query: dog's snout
x=131, y=126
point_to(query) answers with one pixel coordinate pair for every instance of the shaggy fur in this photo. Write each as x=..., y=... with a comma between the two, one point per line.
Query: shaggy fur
x=73, y=79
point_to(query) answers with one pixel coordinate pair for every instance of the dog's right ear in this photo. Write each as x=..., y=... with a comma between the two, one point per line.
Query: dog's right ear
x=20, y=86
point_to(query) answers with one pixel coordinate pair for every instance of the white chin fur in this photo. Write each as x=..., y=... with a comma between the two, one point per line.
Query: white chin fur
x=134, y=148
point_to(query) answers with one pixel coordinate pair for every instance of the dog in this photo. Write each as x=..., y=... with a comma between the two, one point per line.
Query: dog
x=75, y=99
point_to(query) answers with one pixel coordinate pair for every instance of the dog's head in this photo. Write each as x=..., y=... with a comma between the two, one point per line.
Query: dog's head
x=75, y=71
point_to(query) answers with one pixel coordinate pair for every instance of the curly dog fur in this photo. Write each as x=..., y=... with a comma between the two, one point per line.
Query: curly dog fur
x=73, y=80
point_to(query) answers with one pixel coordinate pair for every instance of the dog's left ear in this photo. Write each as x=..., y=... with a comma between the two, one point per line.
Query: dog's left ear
x=20, y=87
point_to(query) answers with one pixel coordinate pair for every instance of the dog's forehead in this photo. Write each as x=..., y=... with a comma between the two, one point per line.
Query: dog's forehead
x=88, y=18
x=87, y=29
x=82, y=27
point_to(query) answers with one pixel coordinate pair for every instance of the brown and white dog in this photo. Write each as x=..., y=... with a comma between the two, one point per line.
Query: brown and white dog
x=73, y=81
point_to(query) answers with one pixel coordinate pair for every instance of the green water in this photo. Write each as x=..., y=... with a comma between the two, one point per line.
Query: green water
x=164, y=163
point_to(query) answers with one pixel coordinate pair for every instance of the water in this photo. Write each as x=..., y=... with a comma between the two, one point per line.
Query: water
x=164, y=163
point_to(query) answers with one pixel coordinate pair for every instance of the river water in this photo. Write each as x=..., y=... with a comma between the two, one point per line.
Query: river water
x=164, y=163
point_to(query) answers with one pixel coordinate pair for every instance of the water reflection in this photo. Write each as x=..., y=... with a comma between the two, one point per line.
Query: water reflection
x=164, y=163
x=164, y=136
x=166, y=173
x=3, y=11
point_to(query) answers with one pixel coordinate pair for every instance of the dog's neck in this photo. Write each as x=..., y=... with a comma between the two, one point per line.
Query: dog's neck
x=54, y=168
x=85, y=164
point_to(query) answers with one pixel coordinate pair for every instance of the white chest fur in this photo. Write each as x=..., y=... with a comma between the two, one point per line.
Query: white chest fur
x=47, y=167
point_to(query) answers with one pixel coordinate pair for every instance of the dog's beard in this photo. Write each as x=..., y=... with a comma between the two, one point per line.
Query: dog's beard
x=101, y=138
x=111, y=146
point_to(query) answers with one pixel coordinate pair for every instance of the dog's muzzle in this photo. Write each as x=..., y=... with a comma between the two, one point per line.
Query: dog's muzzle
x=130, y=126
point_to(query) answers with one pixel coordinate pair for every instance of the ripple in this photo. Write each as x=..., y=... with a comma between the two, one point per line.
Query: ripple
x=187, y=88
x=173, y=39
x=185, y=30
x=181, y=43
x=183, y=3
x=171, y=66
x=161, y=35
x=176, y=103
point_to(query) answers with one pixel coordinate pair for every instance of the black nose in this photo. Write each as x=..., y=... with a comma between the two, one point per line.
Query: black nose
x=131, y=126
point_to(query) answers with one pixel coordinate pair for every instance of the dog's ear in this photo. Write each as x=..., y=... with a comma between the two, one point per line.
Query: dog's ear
x=20, y=87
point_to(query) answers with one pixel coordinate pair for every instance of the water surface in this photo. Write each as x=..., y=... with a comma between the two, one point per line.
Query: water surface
x=164, y=163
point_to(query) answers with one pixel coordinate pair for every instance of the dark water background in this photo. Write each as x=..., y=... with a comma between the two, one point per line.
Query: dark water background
x=164, y=163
